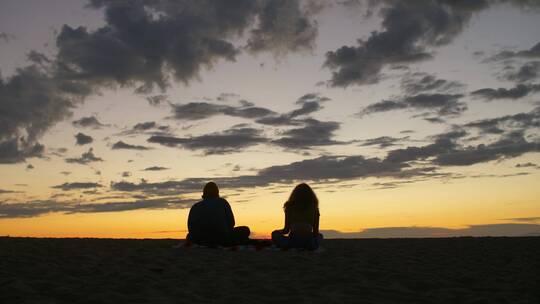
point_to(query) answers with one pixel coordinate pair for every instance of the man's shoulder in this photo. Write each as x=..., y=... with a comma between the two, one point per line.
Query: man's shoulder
x=197, y=204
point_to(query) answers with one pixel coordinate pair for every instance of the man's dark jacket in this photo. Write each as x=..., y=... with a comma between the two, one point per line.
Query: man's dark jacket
x=211, y=222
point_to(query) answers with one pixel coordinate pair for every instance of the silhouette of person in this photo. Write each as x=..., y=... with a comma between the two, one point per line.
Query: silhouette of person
x=301, y=221
x=211, y=221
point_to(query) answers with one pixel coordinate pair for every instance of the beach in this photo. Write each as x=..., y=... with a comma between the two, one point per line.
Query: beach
x=445, y=270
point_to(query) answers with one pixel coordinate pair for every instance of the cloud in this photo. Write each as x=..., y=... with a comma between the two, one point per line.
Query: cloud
x=320, y=169
x=227, y=96
x=155, y=168
x=7, y=37
x=443, y=143
x=528, y=71
x=143, y=126
x=441, y=104
x=383, y=141
x=409, y=32
x=445, y=151
x=18, y=150
x=502, y=124
x=156, y=100
x=76, y=186
x=533, y=52
x=202, y=110
x=88, y=122
x=528, y=165
x=313, y=133
x=136, y=46
x=83, y=139
x=228, y=141
x=120, y=145
x=3, y=191
x=510, y=230
x=510, y=145
x=519, y=91
x=416, y=83
x=86, y=158
x=283, y=27
x=524, y=219
x=37, y=208
x=144, y=45
x=30, y=103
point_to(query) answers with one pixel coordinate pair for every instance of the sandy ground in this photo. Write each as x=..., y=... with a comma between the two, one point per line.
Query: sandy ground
x=459, y=270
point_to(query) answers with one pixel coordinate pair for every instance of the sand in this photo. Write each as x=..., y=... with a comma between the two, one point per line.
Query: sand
x=456, y=270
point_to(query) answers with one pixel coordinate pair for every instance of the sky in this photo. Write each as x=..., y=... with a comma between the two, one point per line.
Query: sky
x=408, y=118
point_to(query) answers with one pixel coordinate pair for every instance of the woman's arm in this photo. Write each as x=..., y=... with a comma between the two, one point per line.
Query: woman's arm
x=286, y=226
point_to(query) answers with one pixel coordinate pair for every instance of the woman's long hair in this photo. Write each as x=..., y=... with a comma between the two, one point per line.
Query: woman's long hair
x=302, y=199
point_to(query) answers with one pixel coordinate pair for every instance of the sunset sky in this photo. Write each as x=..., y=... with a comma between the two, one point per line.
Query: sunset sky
x=408, y=118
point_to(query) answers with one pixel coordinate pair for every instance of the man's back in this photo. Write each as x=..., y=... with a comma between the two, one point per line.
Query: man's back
x=210, y=222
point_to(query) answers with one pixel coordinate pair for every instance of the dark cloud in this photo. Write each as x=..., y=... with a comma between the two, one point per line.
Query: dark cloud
x=155, y=168
x=156, y=100
x=228, y=141
x=510, y=230
x=143, y=126
x=383, y=141
x=410, y=30
x=321, y=169
x=76, y=186
x=313, y=133
x=416, y=83
x=2, y=191
x=86, y=158
x=502, y=124
x=143, y=44
x=528, y=71
x=88, y=122
x=7, y=37
x=283, y=27
x=309, y=103
x=137, y=46
x=441, y=104
x=519, y=91
x=307, y=108
x=509, y=146
x=82, y=139
x=524, y=219
x=202, y=110
x=38, y=58
x=37, y=208
x=528, y=165
x=30, y=103
x=312, y=97
x=533, y=52
x=446, y=151
x=17, y=150
x=227, y=96
x=120, y=145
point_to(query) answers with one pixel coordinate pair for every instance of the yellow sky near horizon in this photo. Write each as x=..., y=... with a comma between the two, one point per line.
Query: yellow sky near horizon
x=452, y=204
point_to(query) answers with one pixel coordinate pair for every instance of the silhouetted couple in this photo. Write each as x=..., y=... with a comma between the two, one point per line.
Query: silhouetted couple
x=211, y=221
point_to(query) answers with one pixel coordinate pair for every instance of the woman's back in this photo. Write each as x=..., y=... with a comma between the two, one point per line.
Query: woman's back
x=301, y=221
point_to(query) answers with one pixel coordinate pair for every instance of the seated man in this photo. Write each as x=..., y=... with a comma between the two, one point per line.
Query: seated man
x=211, y=221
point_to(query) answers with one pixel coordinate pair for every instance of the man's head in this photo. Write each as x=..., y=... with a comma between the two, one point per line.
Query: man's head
x=210, y=190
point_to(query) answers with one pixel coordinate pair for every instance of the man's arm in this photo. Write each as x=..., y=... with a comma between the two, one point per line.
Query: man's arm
x=229, y=214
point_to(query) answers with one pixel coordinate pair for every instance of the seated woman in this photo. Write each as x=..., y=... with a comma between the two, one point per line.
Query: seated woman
x=301, y=221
